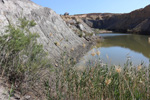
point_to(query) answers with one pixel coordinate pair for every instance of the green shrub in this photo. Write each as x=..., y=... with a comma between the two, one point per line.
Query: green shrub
x=79, y=33
x=21, y=57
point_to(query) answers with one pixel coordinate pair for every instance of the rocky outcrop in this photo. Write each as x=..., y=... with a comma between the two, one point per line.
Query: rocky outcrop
x=143, y=27
x=77, y=25
x=136, y=21
x=50, y=26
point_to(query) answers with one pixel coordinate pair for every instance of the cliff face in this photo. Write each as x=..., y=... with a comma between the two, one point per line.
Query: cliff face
x=135, y=22
x=50, y=26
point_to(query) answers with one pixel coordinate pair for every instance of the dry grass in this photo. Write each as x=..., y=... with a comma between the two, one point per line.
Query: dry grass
x=99, y=83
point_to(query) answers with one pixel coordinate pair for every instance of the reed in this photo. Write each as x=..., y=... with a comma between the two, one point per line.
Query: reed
x=99, y=83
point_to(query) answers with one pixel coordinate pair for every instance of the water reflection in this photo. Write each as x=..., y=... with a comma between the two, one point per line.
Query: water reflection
x=117, y=48
x=137, y=43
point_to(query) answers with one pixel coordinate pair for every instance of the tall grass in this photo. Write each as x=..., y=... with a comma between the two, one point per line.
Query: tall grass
x=99, y=83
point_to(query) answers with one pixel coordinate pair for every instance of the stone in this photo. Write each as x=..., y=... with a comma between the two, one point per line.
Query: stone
x=66, y=13
x=47, y=22
x=81, y=27
x=77, y=24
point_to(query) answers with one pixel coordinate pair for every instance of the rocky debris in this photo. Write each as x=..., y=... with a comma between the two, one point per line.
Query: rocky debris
x=84, y=27
x=78, y=25
x=81, y=27
x=50, y=26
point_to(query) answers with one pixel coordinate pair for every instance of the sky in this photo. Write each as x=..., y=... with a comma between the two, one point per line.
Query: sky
x=92, y=6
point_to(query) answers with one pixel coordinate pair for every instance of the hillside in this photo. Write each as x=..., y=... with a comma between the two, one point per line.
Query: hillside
x=50, y=26
x=55, y=36
x=134, y=22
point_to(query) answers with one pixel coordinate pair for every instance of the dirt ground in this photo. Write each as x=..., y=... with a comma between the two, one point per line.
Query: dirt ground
x=4, y=91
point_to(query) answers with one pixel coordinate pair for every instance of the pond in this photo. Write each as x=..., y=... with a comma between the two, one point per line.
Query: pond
x=117, y=48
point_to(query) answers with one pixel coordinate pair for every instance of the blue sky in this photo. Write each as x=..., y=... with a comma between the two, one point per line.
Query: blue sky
x=93, y=6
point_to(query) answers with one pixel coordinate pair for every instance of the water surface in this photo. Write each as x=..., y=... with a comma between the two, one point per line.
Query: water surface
x=116, y=49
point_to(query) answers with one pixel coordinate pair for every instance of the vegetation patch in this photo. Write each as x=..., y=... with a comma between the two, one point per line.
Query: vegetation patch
x=21, y=57
x=99, y=82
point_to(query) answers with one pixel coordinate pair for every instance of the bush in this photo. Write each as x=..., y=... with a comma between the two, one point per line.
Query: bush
x=79, y=33
x=21, y=57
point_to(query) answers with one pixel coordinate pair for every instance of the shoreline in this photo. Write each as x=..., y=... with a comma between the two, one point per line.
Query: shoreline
x=78, y=52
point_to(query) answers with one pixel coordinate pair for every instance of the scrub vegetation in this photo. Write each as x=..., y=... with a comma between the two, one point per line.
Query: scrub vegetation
x=99, y=82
